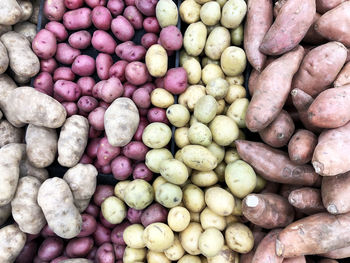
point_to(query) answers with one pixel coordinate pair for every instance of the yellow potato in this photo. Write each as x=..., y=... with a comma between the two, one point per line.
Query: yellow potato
x=220, y=171
x=237, y=35
x=155, y=157
x=176, y=251
x=238, y=110
x=178, y=218
x=199, y=134
x=189, y=238
x=138, y=194
x=231, y=219
x=233, y=13
x=181, y=137
x=217, y=150
x=195, y=38
x=219, y=201
x=209, y=219
x=226, y=255
x=236, y=80
x=189, y=11
x=211, y=242
x=158, y=237
x=184, y=56
x=224, y=130
x=119, y=189
x=210, y=13
x=178, y=115
x=157, y=257
x=190, y=97
x=235, y=92
x=132, y=255
x=168, y=195
x=233, y=61
x=205, y=109
x=218, y=40
x=204, y=179
x=132, y=236
x=193, y=198
x=113, y=210
x=221, y=2
x=206, y=61
x=190, y=259
x=199, y=158
x=193, y=69
x=221, y=107
x=231, y=155
x=217, y=88
x=260, y=184
x=174, y=171
x=156, y=61
x=156, y=135
x=162, y=98
x=158, y=182
x=239, y=238
x=210, y=72
x=166, y=13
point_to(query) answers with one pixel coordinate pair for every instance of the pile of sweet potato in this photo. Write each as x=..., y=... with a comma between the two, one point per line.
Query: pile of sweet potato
x=300, y=88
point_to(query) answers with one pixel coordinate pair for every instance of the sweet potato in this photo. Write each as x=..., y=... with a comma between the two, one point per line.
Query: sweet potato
x=248, y=257
x=325, y=260
x=254, y=76
x=279, y=131
x=272, y=90
x=338, y=253
x=331, y=153
x=301, y=146
x=265, y=251
x=258, y=21
x=307, y=200
x=300, y=259
x=267, y=210
x=343, y=77
x=319, y=68
x=335, y=24
x=12, y=241
x=324, y=6
x=312, y=37
x=274, y=165
x=289, y=28
x=315, y=234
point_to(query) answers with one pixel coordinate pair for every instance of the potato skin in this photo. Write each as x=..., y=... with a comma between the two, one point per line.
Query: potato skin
x=301, y=146
x=27, y=169
x=337, y=254
x=343, y=77
x=9, y=133
x=195, y=38
x=10, y=12
x=307, y=200
x=27, y=29
x=57, y=203
x=4, y=59
x=258, y=21
x=198, y=157
x=273, y=87
x=156, y=61
x=218, y=40
x=12, y=240
x=291, y=24
x=25, y=209
x=265, y=251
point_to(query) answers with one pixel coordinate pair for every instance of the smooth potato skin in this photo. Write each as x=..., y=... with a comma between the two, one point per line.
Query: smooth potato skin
x=338, y=253
x=258, y=21
x=289, y=28
x=195, y=38
x=322, y=6
x=343, y=77
x=272, y=90
x=307, y=200
x=265, y=251
x=312, y=37
x=301, y=146
x=10, y=12
x=199, y=158
x=12, y=240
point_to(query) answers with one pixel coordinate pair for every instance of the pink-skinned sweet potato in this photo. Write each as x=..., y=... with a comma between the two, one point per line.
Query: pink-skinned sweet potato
x=324, y=6
x=265, y=251
x=343, y=77
x=307, y=200
x=338, y=253
x=301, y=146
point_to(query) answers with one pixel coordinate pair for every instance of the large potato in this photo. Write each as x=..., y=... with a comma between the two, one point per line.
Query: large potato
x=233, y=61
x=174, y=171
x=25, y=209
x=121, y=121
x=199, y=158
x=57, y=203
x=219, y=201
x=190, y=97
x=190, y=11
x=239, y=238
x=156, y=61
x=233, y=13
x=189, y=238
x=156, y=135
x=155, y=157
x=205, y=109
x=158, y=237
x=224, y=130
x=10, y=12
x=4, y=59
x=166, y=13
x=138, y=194
x=195, y=38
x=12, y=241
x=9, y=133
x=218, y=40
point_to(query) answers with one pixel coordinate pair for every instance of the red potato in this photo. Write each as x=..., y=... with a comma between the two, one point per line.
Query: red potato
x=59, y=259
x=47, y=232
x=96, y=118
x=48, y=65
x=136, y=73
x=324, y=6
x=103, y=64
x=104, y=104
x=157, y=115
x=63, y=73
x=44, y=44
x=307, y=200
x=79, y=247
x=338, y=253
x=108, y=90
x=274, y=165
x=101, y=18
x=130, y=52
x=85, y=159
x=159, y=82
x=279, y=131
x=142, y=125
x=118, y=251
x=44, y=83
x=77, y=19
x=102, y=192
x=129, y=90
x=107, y=169
x=143, y=112
x=87, y=103
x=71, y=108
x=312, y=37
x=118, y=70
x=68, y=90
x=105, y=223
x=142, y=98
x=171, y=38
x=117, y=233
x=121, y=168
x=134, y=16
x=92, y=254
x=149, y=86
x=116, y=7
x=58, y=30
x=94, y=3
x=273, y=87
x=93, y=133
x=84, y=65
x=92, y=147
x=146, y=7
x=92, y=210
x=151, y=25
x=54, y=9
x=301, y=146
x=65, y=54
x=134, y=216
x=300, y=259
x=122, y=28
x=105, y=253
x=103, y=42
x=265, y=251
x=315, y=234
x=343, y=77
x=102, y=235
x=129, y=2
x=106, y=152
x=335, y=24
x=258, y=22
x=135, y=150
x=28, y=252
x=153, y=214
x=141, y=171
x=175, y=80
x=51, y=248
x=80, y=39
x=289, y=28
x=149, y=39
x=73, y=4
x=86, y=84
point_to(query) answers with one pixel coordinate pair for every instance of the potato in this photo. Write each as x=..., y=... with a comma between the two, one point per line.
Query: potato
x=211, y=242
x=226, y=255
x=178, y=115
x=210, y=13
x=57, y=203
x=132, y=236
x=193, y=198
x=189, y=238
x=190, y=97
x=190, y=259
x=158, y=236
x=166, y=13
x=168, y=195
x=181, y=137
x=113, y=210
x=176, y=251
x=211, y=72
x=76, y=260
x=9, y=133
x=235, y=92
x=178, y=218
x=236, y=80
x=220, y=171
x=217, y=150
x=27, y=29
x=157, y=61
x=11, y=12
x=217, y=88
x=26, y=9
x=231, y=155
x=133, y=255
x=27, y=169
x=239, y=238
x=189, y=11
x=157, y=257
x=218, y=40
x=237, y=36
x=195, y=38
x=184, y=56
x=224, y=130
x=199, y=158
x=12, y=241
x=260, y=184
x=238, y=110
x=138, y=194
x=156, y=135
x=162, y=98
x=221, y=107
x=209, y=219
x=233, y=61
x=199, y=134
x=121, y=120
x=204, y=179
x=157, y=182
x=174, y=171
x=4, y=59
x=205, y=109
x=233, y=13
x=155, y=157
x=119, y=189
x=193, y=69
x=240, y=178
x=219, y=201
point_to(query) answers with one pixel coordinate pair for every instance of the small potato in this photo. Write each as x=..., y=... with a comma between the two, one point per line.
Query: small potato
x=113, y=210
x=235, y=91
x=155, y=157
x=175, y=80
x=178, y=218
x=210, y=13
x=238, y=110
x=217, y=88
x=237, y=35
x=12, y=241
x=209, y=219
x=138, y=194
x=220, y=171
x=231, y=155
x=193, y=198
x=189, y=238
x=156, y=135
x=226, y=255
x=27, y=29
x=190, y=97
x=236, y=80
x=178, y=115
x=168, y=195
x=119, y=189
x=58, y=30
x=77, y=19
x=199, y=134
x=132, y=236
x=166, y=13
x=193, y=69
x=157, y=182
x=204, y=179
x=233, y=13
x=157, y=61
x=158, y=236
x=133, y=255
x=181, y=137
x=157, y=257
x=217, y=150
x=199, y=158
x=233, y=60
x=174, y=171
x=184, y=56
x=195, y=38
x=190, y=259
x=211, y=72
x=54, y=10
x=239, y=238
x=176, y=251
x=224, y=130
x=211, y=242
x=80, y=39
x=189, y=11
x=219, y=201
x=162, y=98
x=205, y=109
x=221, y=107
